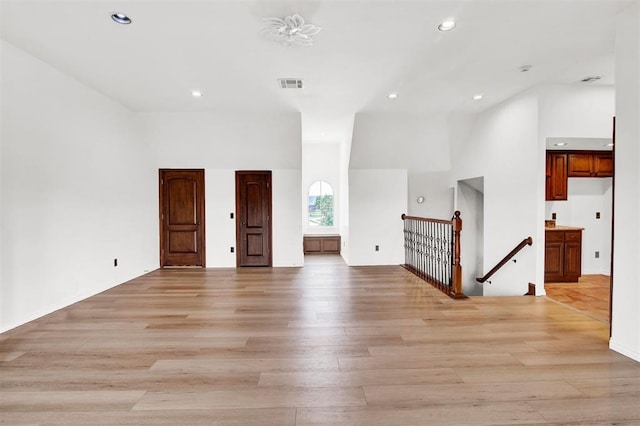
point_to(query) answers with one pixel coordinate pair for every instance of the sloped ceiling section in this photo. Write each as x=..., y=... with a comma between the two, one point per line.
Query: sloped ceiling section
x=366, y=50
x=394, y=141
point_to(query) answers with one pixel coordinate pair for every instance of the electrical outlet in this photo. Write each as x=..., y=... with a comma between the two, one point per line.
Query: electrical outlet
x=115, y=262
x=597, y=215
x=597, y=255
x=377, y=248
x=553, y=216
x=231, y=249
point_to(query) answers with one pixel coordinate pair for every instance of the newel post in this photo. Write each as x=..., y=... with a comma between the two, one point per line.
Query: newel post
x=457, y=268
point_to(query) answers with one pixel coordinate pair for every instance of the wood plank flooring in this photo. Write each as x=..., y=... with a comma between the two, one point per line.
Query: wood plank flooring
x=323, y=344
x=589, y=295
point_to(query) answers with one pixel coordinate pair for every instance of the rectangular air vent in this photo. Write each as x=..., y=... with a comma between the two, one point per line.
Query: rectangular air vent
x=290, y=83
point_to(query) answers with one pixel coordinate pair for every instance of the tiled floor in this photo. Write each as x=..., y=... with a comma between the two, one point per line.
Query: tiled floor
x=589, y=295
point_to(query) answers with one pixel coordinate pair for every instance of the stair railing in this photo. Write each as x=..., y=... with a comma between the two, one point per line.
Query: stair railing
x=526, y=242
x=432, y=252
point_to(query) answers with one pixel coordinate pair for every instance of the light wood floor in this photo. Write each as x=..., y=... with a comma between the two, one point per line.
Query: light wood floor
x=323, y=344
x=590, y=295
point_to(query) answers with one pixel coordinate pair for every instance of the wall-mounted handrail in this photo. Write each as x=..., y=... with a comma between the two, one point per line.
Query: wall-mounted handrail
x=526, y=242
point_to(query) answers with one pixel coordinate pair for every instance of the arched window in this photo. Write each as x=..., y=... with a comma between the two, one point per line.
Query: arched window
x=320, y=204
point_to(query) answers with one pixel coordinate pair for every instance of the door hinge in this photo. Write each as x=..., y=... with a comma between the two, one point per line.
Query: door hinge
x=161, y=181
x=267, y=184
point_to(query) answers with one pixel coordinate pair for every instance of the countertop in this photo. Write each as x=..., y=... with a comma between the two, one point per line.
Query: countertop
x=563, y=228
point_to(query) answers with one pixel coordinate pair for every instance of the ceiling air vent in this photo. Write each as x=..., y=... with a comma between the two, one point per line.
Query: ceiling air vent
x=290, y=83
x=591, y=79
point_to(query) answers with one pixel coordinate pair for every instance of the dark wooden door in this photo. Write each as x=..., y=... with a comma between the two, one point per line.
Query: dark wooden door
x=182, y=230
x=253, y=221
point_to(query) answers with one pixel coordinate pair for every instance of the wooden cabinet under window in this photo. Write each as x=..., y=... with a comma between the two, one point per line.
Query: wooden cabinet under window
x=590, y=164
x=321, y=244
x=563, y=254
x=556, y=176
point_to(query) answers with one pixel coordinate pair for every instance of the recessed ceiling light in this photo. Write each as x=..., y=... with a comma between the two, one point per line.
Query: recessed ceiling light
x=447, y=26
x=121, y=18
x=392, y=96
x=196, y=94
x=478, y=97
x=560, y=144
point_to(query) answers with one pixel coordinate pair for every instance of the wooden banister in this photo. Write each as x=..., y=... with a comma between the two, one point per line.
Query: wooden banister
x=428, y=219
x=526, y=242
x=456, y=283
x=432, y=251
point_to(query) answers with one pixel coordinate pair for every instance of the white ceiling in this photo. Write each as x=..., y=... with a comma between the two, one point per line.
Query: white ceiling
x=365, y=50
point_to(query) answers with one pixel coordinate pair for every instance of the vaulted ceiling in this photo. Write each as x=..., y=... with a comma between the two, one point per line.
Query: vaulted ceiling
x=366, y=50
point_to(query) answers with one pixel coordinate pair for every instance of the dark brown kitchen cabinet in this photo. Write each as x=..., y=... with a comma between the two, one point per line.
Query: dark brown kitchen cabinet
x=590, y=164
x=556, y=176
x=563, y=255
x=603, y=164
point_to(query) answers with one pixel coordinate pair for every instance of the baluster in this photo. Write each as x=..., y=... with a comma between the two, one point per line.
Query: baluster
x=441, y=255
x=436, y=252
x=421, y=239
x=432, y=252
x=417, y=245
x=440, y=264
x=412, y=248
x=428, y=236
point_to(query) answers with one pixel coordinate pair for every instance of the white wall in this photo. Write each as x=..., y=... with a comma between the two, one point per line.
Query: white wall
x=413, y=142
x=287, y=226
x=436, y=189
x=321, y=161
x=506, y=145
x=377, y=199
x=586, y=196
x=503, y=147
x=581, y=111
x=625, y=336
x=78, y=190
x=345, y=155
x=470, y=200
x=576, y=111
x=413, y=152
x=222, y=142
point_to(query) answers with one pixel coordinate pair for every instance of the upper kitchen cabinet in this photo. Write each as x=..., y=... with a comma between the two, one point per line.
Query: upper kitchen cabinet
x=556, y=176
x=590, y=164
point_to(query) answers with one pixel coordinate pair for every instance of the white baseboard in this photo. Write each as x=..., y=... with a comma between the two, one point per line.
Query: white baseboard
x=628, y=352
